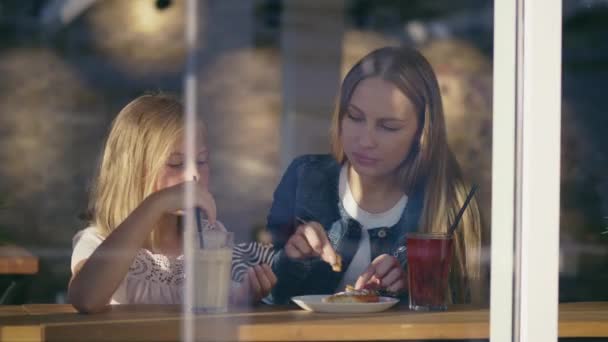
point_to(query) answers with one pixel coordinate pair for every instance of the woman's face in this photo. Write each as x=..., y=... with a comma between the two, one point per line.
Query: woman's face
x=378, y=128
x=175, y=170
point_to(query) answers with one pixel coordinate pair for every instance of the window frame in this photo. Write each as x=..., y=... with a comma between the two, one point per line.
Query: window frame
x=526, y=170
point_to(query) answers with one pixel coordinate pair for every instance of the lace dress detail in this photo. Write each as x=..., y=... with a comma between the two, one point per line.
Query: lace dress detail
x=155, y=279
x=159, y=279
x=158, y=268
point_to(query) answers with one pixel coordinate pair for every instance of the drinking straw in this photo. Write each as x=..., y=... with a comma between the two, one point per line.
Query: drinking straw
x=464, y=206
x=199, y=225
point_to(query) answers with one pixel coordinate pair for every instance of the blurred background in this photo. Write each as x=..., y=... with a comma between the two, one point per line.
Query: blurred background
x=269, y=73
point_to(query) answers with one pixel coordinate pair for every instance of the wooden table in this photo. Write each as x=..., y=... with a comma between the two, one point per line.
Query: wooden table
x=164, y=323
x=16, y=260
x=15, y=264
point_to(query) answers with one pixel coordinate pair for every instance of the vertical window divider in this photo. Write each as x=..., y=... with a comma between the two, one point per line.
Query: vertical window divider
x=539, y=182
x=526, y=170
x=503, y=170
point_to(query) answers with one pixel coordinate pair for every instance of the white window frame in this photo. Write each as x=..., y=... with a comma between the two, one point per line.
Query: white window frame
x=526, y=170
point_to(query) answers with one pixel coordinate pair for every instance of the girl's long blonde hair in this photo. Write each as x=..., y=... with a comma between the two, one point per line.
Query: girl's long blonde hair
x=430, y=161
x=137, y=147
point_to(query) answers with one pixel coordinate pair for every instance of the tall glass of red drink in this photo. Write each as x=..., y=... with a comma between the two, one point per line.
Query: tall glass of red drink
x=428, y=263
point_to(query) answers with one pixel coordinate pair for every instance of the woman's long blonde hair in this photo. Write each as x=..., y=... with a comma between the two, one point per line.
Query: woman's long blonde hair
x=139, y=143
x=430, y=161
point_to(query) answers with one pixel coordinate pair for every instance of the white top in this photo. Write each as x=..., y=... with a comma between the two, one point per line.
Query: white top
x=362, y=257
x=151, y=279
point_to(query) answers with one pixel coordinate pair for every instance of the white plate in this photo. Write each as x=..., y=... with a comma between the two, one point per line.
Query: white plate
x=315, y=303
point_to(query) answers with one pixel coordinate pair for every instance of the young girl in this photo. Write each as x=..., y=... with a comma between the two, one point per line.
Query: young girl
x=132, y=251
x=391, y=172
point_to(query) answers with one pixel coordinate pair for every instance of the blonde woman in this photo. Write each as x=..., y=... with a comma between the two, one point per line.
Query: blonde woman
x=391, y=172
x=132, y=250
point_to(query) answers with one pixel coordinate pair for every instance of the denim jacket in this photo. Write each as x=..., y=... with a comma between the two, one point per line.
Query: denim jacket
x=309, y=190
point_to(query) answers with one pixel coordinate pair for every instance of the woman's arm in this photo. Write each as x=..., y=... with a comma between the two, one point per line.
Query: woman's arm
x=296, y=245
x=280, y=221
x=290, y=274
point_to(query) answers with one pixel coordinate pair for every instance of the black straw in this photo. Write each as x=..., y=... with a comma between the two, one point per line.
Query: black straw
x=464, y=206
x=199, y=225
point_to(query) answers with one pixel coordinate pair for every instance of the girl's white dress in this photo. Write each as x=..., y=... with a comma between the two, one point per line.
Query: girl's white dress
x=157, y=278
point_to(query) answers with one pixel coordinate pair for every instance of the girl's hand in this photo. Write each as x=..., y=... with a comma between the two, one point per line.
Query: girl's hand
x=171, y=199
x=310, y=240
x=384, y=272
x=258, y=282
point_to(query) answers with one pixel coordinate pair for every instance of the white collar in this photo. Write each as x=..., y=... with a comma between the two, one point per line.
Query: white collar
x=368, y=220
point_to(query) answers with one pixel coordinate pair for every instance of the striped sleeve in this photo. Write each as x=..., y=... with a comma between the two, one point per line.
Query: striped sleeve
x=246, y=255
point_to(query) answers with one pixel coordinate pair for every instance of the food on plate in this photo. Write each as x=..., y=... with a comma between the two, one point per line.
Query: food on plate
x=350, y=295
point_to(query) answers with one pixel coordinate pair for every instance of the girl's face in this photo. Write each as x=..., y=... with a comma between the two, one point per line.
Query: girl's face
x=175, y=170
x=378, y=128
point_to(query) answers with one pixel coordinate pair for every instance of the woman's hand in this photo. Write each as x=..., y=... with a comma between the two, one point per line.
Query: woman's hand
x=171, y=199
x=258, y=282
x=310, y=240
x=384, y=272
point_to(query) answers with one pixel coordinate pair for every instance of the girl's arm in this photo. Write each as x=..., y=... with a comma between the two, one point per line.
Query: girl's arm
x=96, y=279
x=257, y=283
